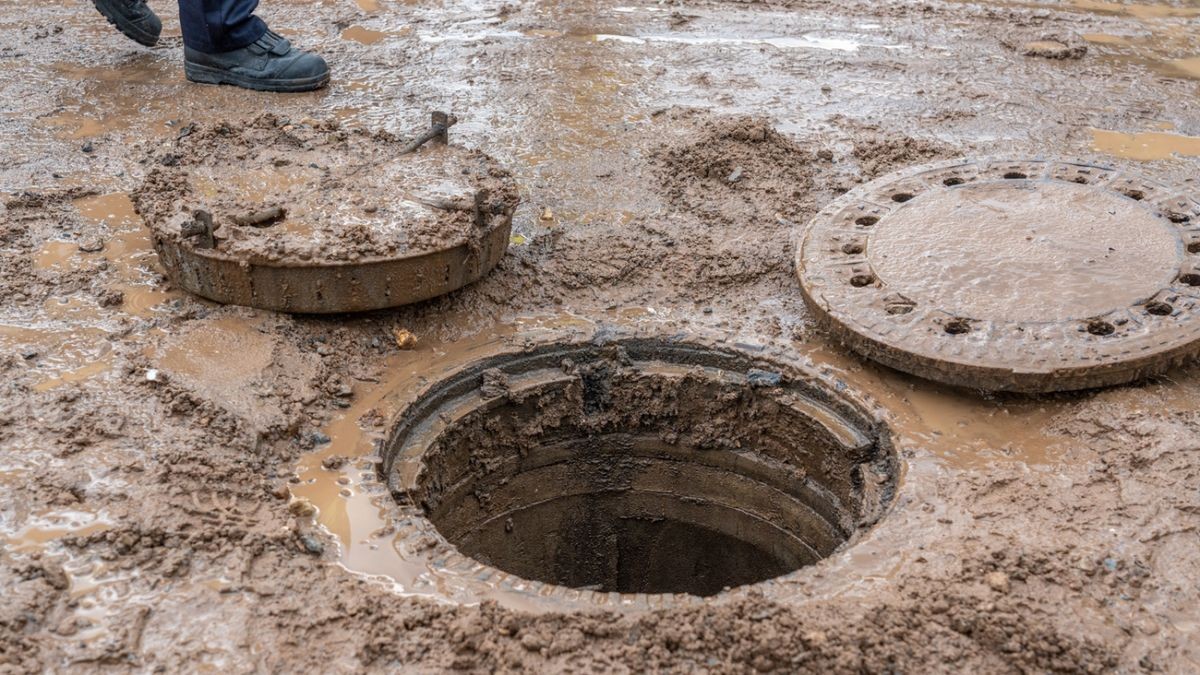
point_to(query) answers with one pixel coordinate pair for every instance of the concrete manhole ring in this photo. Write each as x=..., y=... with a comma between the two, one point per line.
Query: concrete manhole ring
x=308, y=217
x=632, y=472
x=1018, y=275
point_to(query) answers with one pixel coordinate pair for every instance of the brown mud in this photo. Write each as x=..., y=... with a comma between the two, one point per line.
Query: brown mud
x=284, y=191
x=189, y=486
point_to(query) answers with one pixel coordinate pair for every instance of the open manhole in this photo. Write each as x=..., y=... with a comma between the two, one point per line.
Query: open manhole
x=310, y=217
x=639, y=466
x=1021, y=275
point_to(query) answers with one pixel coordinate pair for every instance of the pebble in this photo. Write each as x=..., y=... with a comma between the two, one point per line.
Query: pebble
x=997, y=581
x=91, y=244
x=88, y=148
x=312, y=544
x=319, y=437
x=763, y=378
x=405, y=338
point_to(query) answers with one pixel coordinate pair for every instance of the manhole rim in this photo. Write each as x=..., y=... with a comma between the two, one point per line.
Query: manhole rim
x=843, y=323
x=507, y=586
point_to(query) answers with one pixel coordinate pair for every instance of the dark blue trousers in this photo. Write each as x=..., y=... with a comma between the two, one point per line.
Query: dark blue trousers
x=213, y=26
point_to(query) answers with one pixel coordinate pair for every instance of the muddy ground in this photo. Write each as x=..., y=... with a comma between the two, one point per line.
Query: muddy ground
x=173, y=493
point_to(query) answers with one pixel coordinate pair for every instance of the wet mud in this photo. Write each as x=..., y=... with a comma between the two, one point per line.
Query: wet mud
x=189, y=485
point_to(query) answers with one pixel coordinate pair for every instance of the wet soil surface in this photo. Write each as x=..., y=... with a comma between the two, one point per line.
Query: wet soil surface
x=183, y=481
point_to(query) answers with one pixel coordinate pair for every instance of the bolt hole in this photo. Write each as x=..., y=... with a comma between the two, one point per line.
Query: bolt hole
x=1080, y=179
x=952, y=181
x=902, y=197
x=1135, y=195
x=1015, y=175
x=860, y=280
x=1159, y=308
x=1190, y=278
x=1178, y=217
x=1193, y=247
x=867, y=221
x=958, y=327
x=898, y=309
x=853, y=248
x=1098, y=327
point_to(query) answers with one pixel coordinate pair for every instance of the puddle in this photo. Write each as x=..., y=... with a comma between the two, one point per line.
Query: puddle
x=1145, y=146
x=48, y=526
x=364, y=36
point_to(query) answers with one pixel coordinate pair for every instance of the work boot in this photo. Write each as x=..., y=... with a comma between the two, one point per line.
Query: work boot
x=133, y=18
x=270, y=63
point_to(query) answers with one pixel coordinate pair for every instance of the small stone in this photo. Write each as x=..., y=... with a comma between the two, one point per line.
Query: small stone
x=825, y=154
x=334, y=462
x=302, y=508
x=370, y=208
x=763, y=378
x=547, y=214
x=29, y=353
x=405, y=338
x=997, y=581
x=91, y=244
x=312, y=545
x=111, y=298
x=281, y=491
x=152, y=375
x=319, y=438
x=88, y=148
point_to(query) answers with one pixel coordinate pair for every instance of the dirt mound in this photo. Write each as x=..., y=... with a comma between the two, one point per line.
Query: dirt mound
x=735, y=170
x=297, y=191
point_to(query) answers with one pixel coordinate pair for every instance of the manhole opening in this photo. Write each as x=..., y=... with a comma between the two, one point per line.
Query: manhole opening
x=641, y=467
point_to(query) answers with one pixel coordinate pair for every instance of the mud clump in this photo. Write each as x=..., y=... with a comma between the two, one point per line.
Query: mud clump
x=735, y=170
x=283, y=191
x=880, y=152
x=1047, y=46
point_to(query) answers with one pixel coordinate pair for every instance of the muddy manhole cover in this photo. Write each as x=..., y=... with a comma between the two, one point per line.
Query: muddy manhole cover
x=636, y=466
x=1011, y=275
x=309, y=217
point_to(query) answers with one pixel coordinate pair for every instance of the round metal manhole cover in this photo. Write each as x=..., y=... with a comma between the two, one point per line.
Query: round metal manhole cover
x=1025, y=275
x=312, y=218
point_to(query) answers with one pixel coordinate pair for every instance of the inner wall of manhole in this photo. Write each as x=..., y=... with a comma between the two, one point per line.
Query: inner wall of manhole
x=641, y=466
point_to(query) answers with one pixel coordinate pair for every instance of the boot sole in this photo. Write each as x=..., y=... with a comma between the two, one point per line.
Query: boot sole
x=129, y=30
x=209, y=75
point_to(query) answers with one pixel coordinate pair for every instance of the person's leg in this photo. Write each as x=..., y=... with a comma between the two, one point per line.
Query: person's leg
x=214, y=26
x=224, y=43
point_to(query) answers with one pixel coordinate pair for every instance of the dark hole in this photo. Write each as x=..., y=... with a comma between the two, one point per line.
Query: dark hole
x=1015, y=175
x=1175, y=217
x=853, y=248
x=1190, y=278
x=867, y=221
x=1159, y=308
x=958, y=327
x=1080, y=179
x=1136, y=195
x=860, y=280
x=1193, y=247
x=901, y=197
x=952, y=181
x=676, y=485
x=1098, y=327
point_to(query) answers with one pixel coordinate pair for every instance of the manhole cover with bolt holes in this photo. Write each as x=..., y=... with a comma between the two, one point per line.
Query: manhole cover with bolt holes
x=1018, y=275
